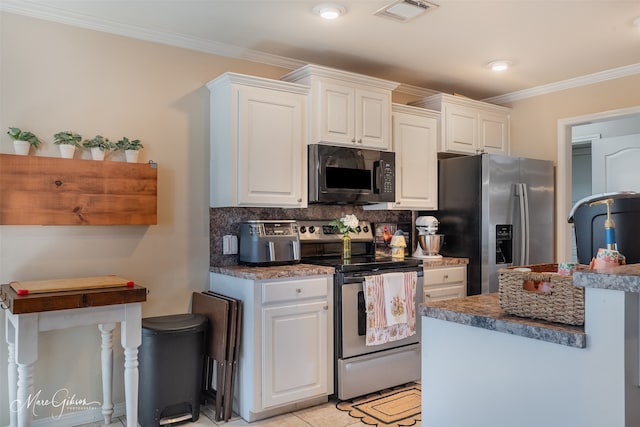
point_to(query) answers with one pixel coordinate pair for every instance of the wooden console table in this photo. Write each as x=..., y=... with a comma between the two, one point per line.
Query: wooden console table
x=27, y=315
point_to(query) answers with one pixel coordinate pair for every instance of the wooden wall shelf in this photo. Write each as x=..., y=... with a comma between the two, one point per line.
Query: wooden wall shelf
x=37, y=190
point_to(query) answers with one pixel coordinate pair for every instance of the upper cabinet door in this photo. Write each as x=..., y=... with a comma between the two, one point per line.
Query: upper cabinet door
x=258, y=146
x=336, y=106
x=373, y=119
x=494, y=132
x=270, y=135
x=415, y=141
x=460, y=134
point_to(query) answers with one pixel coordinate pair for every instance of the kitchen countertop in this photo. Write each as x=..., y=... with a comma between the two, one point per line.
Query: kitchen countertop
x=622, y=278
x=300, y=270
x=444, y=262
x=483, y=311
x=272, y=272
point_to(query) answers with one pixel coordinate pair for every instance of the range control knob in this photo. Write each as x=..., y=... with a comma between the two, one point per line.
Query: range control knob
x=312, y=229
x=358, y=229
x=303, y=229
x=365, y=228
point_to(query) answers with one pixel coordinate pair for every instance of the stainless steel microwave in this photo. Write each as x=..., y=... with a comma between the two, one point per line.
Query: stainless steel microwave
x=346, y=175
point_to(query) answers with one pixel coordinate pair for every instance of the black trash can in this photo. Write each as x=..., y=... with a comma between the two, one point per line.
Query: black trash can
x=589, y=225
x=170, y=359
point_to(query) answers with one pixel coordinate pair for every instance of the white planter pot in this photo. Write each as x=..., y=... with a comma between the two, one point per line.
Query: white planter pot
x=97, y=153
x=21, y=147
x=66, y=151
x=132, y=155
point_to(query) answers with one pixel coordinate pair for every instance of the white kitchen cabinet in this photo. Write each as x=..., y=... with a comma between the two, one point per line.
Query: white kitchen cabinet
x=346, y=108
x=286, y=356
x=258, y=142
x=468, y=126
x=447, y=282
x=415, y=142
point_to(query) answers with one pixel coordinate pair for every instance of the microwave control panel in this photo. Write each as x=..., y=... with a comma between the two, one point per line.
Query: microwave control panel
x=388, y=184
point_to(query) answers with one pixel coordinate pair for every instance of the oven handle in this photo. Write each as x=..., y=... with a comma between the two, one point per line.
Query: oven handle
x=349, y=280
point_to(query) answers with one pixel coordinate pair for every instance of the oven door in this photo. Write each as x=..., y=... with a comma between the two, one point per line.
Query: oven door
x=352, y=319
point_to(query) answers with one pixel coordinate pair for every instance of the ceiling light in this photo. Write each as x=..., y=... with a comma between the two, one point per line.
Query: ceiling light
x=329, y=10
x=499, y=65
x=405, y=10
x=636, y=21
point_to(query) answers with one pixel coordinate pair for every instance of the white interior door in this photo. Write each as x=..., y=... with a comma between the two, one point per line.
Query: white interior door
x=614, y=164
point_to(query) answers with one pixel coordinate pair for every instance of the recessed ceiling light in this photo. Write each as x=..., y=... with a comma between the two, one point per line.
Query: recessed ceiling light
x=329, y=10
x=499, y=65
x=636, y=21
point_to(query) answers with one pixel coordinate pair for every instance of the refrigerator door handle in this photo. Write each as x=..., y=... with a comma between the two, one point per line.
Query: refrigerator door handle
x=525, y=196
x=522, y=259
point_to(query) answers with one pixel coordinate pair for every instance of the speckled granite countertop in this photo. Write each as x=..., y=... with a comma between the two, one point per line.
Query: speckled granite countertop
x=299, y=270
x=275, y=272
x=483, y=311
x=444, y=262
x=623, y=278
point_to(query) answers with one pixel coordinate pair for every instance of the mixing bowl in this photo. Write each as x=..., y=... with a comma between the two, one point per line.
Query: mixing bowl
x=430, y=243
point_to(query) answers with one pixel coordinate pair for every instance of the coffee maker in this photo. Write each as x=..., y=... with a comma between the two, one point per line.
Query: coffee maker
x=429, y=241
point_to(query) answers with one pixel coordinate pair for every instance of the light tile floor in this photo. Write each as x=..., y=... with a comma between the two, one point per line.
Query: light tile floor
x=325, y=415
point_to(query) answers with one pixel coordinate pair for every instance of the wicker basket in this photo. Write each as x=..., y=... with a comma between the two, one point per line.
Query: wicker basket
x=541, y=293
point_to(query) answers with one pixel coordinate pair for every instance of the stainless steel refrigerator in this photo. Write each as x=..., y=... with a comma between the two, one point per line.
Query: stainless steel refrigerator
x=498, y=211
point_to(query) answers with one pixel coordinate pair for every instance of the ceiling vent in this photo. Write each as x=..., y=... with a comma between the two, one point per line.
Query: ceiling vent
x=405, y=10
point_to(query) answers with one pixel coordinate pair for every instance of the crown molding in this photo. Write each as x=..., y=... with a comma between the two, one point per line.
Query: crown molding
x=48, y=12
x=589, y=79
x=415, y=90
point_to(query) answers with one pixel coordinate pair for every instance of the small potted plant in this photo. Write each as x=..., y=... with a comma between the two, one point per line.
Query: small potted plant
x=68, y=142
x=98, y=145
x=23, y=140
x=131, y=148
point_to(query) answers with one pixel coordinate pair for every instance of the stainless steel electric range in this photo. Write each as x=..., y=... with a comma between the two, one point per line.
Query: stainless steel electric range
x=361, y=369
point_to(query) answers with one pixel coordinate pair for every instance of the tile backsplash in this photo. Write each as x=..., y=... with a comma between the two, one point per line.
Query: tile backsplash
x=223, y=221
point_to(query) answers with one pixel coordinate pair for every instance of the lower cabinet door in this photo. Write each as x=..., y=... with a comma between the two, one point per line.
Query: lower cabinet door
x=294, y=352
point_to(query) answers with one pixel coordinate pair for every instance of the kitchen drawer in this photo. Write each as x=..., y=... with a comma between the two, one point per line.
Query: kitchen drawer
x=444, y=275
x=294, y=289
x=444, y=292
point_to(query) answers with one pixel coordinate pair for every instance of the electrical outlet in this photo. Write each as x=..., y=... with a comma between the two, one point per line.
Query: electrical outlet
x=229, y=245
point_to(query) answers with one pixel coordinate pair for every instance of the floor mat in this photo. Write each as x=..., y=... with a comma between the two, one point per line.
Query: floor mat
x=397, y=407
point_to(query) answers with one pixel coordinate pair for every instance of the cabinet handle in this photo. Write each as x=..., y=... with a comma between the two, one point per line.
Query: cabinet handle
x=353, y=140
x=326, y=307
x=298, y=290
x=299, y=200
x=427, y=295
x=446, y=276
x=360, y=141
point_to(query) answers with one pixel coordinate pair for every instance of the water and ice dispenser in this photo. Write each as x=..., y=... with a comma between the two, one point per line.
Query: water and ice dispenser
x=504, y=243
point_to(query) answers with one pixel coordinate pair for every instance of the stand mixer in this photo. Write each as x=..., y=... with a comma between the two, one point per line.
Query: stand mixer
x=428, y=241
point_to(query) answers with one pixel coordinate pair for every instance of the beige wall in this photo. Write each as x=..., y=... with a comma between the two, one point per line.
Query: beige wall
x=534, y=121
x=55, y=77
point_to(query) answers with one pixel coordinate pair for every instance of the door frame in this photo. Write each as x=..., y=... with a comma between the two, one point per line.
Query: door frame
x=563, y=185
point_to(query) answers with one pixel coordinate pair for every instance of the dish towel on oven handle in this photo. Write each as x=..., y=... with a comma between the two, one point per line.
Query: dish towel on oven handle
x=400, y=296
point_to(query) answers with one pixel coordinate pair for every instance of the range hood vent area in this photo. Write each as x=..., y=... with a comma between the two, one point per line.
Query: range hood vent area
x=405, y=10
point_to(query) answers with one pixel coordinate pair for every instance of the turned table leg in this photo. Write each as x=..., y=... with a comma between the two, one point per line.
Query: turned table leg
x=26, y=354
x=12, y=373
x=131, y=335
x=106, y=334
